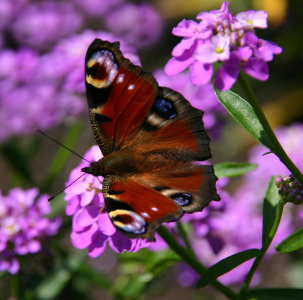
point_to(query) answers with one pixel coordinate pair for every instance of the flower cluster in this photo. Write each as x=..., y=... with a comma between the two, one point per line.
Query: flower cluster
x=23, y=224
x=42, y=57
x=220, y=36
x=290, y=189
x=92, y=227
x=30, y=96
x=124, y=22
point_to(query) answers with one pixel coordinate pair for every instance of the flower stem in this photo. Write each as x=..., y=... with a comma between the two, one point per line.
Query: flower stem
x=192, y=262
x=278, y=149
x=185, y=239
x=15, y=286
x=264, y=249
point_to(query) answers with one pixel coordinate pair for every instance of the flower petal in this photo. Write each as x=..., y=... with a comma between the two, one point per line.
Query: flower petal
x=226, y=76
x=200, y=73
x=83, y=239
x=185, y=44
x=87, y=197
x=175, y=66
x=72, y=205
x=257, y=68
x=87, y=216
x=120, y=243
x=105, y=224
x=98, y=244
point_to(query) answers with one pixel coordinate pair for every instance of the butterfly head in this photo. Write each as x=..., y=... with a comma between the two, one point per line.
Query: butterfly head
x=115, y=164
x=95, y=169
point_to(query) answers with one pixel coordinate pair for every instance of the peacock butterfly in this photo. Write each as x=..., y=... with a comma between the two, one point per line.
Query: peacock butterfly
x=151, y=138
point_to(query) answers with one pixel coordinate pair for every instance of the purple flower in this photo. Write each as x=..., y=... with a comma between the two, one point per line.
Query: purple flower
x=97, y=8
x=251, y=19
x=30, y=97
x=222, y=37
x=9, y=10
x=139, y=24
x=218, y=49
x=240, y=58
x=41, y=24
x=23, y=225
x=9, y=262
x=216, y=15
x=290, y=189
x=262, y=49
x=92, y=227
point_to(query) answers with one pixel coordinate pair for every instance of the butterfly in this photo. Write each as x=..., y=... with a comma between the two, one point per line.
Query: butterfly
x=150, y=138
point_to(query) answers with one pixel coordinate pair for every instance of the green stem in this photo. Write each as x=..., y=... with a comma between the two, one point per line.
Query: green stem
x=61, y=156
x=192, y=262
x=278, y=149
x=264, y=249
x=185, y=239
x=15, y=286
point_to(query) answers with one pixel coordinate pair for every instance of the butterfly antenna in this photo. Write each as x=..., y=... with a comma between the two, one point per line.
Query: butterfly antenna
x=62, y=146
x=51, y=198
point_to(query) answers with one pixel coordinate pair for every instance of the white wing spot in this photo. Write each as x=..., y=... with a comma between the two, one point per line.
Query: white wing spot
x=154, y=208
x=120, y=78
x=146, y=215
x=131, y=86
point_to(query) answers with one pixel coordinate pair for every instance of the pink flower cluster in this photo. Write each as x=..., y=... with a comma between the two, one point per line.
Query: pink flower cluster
x=92, y=227
x=221, y=36
x=23, y=223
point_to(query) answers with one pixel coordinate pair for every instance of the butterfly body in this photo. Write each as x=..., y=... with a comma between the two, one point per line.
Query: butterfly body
x=151, y=138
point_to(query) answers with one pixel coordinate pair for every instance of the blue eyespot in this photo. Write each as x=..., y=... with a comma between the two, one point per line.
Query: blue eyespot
x=165, y=109
x=182, y=198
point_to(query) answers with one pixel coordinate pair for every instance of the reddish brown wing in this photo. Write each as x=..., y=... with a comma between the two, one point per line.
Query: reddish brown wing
x=191, y=186
x=137, y=210
x=119, y=94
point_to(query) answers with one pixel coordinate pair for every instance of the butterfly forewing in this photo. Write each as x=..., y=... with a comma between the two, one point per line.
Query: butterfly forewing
x=119, y=93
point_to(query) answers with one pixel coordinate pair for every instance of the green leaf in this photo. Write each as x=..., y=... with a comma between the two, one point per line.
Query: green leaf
x=61, y=156
x=17, y=159
x=226, y=265
x=232, y=169
x=291, y=243
x=242, y=111
x=270, y=204
x=276, y=294
x=53, y=284
x=98, y=279
x=58, y=206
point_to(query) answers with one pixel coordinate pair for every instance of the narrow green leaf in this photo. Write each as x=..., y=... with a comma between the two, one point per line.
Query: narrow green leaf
x=226, y=265
x=270, y=204
x=17, y=159
x=98, y=279
x=58, y=206
x=292, y=242
x=232, y=169
x=61, y=156
x=53, y=284
x=242, y=111
x=276, y=294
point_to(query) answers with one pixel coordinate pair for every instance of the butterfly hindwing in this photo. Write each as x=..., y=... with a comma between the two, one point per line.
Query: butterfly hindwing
x=135, y=209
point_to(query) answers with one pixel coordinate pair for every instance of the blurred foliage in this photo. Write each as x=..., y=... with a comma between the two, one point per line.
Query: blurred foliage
x=63, y=272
